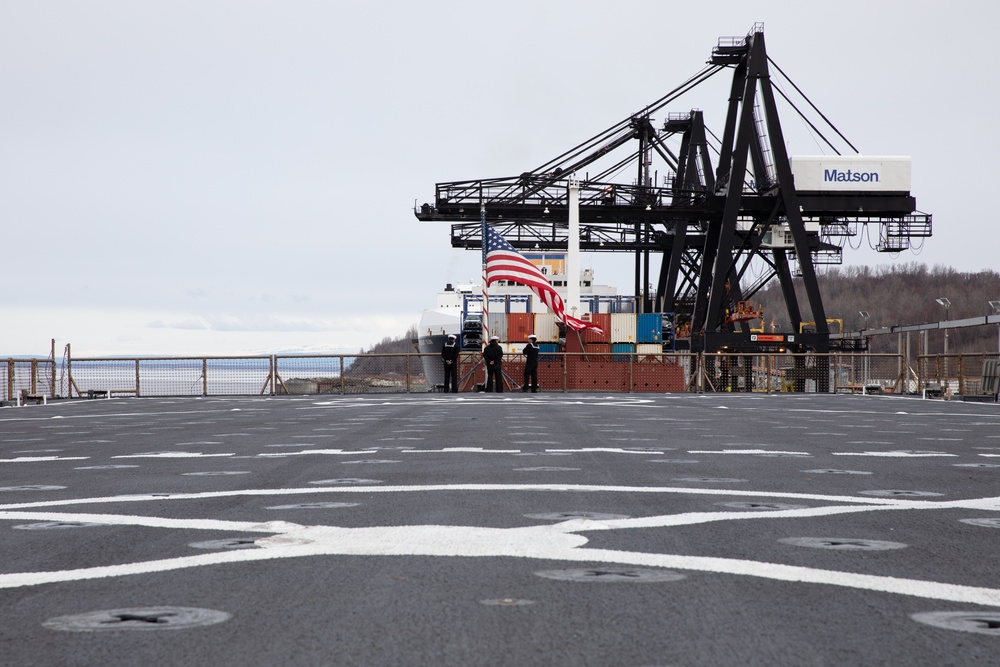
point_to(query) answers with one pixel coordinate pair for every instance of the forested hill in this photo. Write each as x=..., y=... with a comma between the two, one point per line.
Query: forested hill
x=895, y=295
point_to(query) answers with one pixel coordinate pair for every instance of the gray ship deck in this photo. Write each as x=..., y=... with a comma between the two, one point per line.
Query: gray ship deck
x=548, y=529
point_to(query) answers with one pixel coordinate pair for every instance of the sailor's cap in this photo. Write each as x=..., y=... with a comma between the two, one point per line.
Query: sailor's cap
x=494, y=337
x=532, y=336
x=452, y=336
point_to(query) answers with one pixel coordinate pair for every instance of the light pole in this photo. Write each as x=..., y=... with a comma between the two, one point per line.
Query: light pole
x=947, y=306
x=995, y=305
x=865, y=315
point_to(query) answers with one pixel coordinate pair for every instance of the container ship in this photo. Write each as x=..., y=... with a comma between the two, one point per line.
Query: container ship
x=515, y=312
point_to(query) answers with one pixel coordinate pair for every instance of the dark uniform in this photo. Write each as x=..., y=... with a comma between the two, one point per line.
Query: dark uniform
x=530, y=365
x=449, y=354
x=493, y=355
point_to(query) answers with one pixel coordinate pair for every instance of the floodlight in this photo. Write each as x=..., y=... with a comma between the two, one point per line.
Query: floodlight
x=995, y=305
x=944, y=302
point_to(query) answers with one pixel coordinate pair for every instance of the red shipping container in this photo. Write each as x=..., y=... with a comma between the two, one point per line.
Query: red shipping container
x=519, y=325
x=602, y=320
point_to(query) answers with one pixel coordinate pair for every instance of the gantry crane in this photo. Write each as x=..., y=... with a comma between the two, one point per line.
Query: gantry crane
x=723, y=205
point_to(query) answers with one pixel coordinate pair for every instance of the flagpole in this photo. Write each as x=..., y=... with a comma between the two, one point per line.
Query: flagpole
x=486, y=294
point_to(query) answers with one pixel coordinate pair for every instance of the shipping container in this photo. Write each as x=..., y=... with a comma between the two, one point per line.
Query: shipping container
x=547, y=351
x=622, y=328
x=597, y=351
x=546, y=327
x=519, y=325
x=649, y=351
x=649, y=328
x=622, y=351
x=603, y=320
x=498, y=325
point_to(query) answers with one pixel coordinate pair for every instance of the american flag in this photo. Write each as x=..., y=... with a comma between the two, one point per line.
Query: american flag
x=503, y=262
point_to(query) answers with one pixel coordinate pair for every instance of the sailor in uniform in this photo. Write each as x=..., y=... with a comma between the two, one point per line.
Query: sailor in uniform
x=493, y=355
x=449, y=354
x=531, y=364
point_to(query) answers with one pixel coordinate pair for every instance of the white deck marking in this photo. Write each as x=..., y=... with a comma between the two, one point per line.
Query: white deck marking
x=32, y=459
x=559, y=541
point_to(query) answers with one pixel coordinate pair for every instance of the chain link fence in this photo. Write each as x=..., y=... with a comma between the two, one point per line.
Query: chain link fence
x=937, y=375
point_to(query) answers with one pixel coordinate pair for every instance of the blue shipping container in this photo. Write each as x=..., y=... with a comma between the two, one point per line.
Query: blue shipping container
x=649, y=328
x=622, y=349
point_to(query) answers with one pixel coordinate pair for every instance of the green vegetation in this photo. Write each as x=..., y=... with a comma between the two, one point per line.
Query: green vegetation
x=896, y=295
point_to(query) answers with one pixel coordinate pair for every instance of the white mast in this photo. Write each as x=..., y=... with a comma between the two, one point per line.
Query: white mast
x=573, y=251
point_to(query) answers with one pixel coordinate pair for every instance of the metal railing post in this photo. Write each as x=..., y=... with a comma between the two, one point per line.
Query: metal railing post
x=204, y=376
x=137, y=394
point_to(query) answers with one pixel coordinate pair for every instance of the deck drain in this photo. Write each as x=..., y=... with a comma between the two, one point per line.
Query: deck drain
x=709, y=480
x=762, y=506
x=835, y=471
x=507, y=602
x=137, y=618
x=57, y=525
x=842, y=543
x=346, y=480
x=211, y=473
x=899, y=493
x=981, y=622
x=546, y=469
x=110, y=466
x=611, y=574
x=312, y=506
x=988, y=523
x=567, y=516
x=231, y=543
x=32, y=487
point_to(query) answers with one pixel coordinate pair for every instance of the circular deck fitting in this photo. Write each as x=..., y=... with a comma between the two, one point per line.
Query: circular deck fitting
x=762, y=506
x=981, y=622
x=137, y=618
x=842, y=543
x=58, y=525
x=346, y=480
x=507, y=602
x=836, y=471
x=32, y=487
x=568, y=516
x=612, y=574
x=991, y=522
x=231, y=543
x=709, y=480
x=899, y=493
x=313, y=506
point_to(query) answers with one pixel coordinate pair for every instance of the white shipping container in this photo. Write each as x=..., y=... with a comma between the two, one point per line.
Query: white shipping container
x=512, y=351
x=498, y=325
x=622, y=327
x=646, y=350
x=857, y=173
x=546, y=327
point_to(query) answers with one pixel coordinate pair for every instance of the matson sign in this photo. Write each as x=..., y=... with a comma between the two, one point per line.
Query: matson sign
x=858, y=173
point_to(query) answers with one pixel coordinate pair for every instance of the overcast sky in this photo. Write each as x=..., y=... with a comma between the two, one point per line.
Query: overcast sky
x=236, y=176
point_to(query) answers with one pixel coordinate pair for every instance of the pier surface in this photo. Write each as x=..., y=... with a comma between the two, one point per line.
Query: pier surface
x=508, y=529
